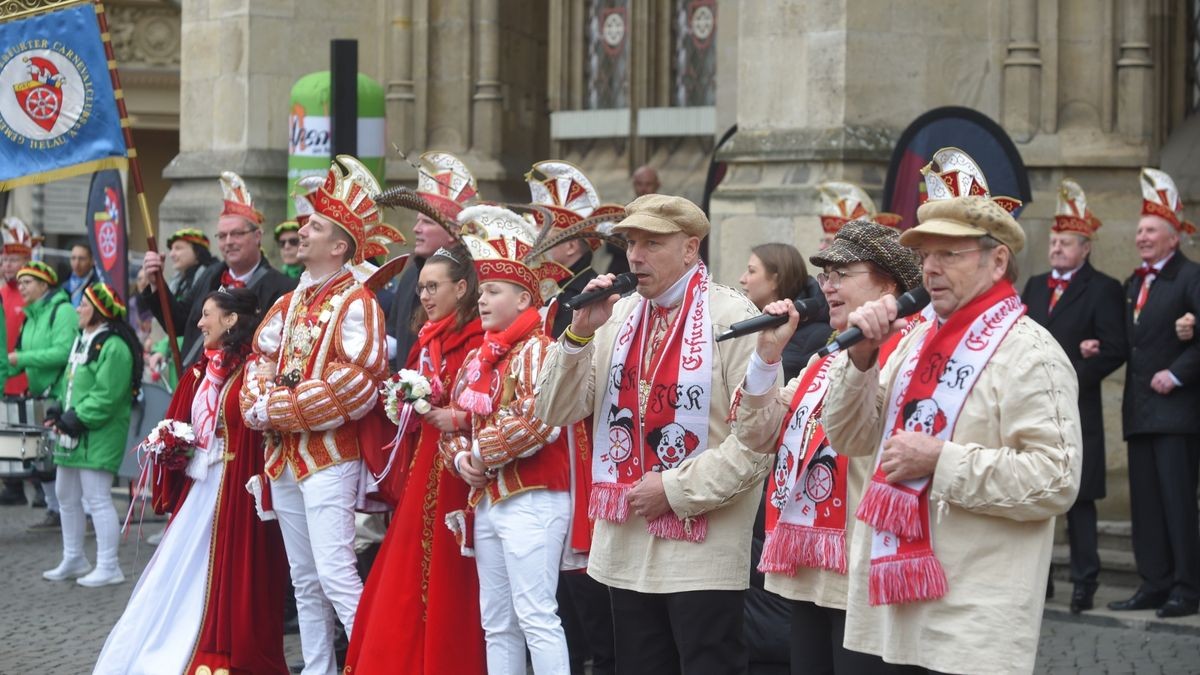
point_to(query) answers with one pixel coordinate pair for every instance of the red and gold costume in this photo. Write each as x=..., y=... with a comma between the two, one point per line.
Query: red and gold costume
x=19, y=241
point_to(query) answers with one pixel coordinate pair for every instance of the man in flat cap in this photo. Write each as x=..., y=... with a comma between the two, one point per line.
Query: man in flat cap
x=974, y=425
x=672, y=542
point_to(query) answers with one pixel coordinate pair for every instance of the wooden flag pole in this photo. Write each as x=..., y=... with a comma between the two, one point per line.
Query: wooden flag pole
x=135, y=173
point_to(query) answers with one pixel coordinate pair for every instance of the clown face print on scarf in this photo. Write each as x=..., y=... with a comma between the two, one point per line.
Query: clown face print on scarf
x=672, y=443
x=924, y=416
x=783, y=470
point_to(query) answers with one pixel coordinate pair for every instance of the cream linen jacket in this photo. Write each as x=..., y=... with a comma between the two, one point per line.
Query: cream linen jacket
x=726, y=487
x=759, y=419
x=1011, y=466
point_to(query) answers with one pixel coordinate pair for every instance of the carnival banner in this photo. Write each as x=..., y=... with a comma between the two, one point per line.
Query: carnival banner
x=58, y=109
x=106, y=229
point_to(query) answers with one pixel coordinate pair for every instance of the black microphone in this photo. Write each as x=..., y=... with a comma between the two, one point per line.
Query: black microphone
x=621, y=285
x=806, y=308
x=906, y=305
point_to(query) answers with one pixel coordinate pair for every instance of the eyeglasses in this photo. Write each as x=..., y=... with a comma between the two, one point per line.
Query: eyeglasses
x=430, y=288
x=236, y=234
x=834, y=278
x=944, y=258
x=289, y=242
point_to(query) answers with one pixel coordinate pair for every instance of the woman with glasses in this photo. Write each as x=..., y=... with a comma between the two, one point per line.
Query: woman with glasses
x=777, y=272
x=814, y=491
x=287, y=237
x=211, y=598
x=419, y=579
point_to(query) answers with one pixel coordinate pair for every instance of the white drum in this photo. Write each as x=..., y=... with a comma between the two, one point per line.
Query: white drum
x=23, y=450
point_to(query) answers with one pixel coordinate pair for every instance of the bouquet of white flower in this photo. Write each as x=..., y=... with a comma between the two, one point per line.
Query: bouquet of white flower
x=404, y=393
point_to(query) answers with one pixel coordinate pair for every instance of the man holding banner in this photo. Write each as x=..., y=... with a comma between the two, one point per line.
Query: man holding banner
x=950, y=574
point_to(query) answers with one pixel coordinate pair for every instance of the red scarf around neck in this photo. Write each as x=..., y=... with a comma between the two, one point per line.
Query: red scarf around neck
x=479, y=396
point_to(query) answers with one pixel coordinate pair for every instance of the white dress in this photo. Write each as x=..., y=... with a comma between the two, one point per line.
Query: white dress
x=158, y=631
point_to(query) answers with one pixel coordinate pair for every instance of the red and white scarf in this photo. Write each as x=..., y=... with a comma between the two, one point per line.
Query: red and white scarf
x=806, y=527
x=429, y=353
x=483, y=390
x=654, y=418
x=206, y=413
x=932, y=384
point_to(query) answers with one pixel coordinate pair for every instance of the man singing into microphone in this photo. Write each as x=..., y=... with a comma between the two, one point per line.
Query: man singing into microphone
x=672, y=542
x=974, y=425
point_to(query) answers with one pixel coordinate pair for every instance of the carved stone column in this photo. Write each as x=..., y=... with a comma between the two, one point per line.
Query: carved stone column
x=486, y=102
x=1135, y=82
x=1022, y=72
x=401, y=97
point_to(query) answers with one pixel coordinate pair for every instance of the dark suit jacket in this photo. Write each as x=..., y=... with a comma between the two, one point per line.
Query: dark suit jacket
x=1090, y=308
x=185, y=311
x=399, y=319
x=582, y=273
x=1153, y=346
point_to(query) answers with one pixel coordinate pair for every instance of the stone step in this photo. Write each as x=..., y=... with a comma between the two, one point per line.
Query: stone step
x=1115, y=535
x=1117, y=568
x=1058, y=609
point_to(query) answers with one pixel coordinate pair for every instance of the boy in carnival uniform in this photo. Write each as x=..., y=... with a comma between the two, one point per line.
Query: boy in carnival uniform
x=517, y=465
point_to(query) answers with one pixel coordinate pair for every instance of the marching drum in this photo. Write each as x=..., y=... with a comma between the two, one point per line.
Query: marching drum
x=24, y=451
x=25, y=411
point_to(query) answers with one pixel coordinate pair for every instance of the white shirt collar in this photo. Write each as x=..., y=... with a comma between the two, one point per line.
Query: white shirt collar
x=1065, y=276
x=1161, y=263
x=674, y=295
x=306, y=279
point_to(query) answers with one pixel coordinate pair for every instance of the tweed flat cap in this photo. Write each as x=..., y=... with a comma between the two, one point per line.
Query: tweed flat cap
x=966, y=217
x=664, y=214
x=864, y=241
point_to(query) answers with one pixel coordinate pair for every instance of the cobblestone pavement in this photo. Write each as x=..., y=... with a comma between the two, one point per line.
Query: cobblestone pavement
x=55, y=628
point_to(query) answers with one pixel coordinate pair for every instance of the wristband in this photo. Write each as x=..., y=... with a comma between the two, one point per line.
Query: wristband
x=572, y=337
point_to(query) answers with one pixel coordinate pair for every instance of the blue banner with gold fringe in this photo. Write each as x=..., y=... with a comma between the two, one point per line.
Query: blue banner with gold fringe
x=58, y=110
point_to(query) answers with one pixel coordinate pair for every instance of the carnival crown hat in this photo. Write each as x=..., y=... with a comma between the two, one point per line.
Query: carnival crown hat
x=39, y=270
x=501, y=243
x=347, y=197
x=563, y=190
x=1071, y=214
x=958, y=204
x=238, y=201
x=105, y=300
x=953, y=173
x=842, y=202
x=893, y=221
x=304, y=187
x=445, y=182
x=190, y=235
x=865, y=241
x=1160, y=198
x=18, y=238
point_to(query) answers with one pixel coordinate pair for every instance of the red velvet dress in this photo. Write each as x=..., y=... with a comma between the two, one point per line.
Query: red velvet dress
x=242, y=629
x=419, y=611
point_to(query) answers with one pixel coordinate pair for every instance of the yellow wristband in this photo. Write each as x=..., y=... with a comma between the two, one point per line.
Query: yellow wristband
x=581, y=341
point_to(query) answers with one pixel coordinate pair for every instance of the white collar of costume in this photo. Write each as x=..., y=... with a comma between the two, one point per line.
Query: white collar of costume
x=673, y=295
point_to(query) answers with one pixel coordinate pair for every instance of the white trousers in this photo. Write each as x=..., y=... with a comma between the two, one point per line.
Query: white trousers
x=316, y=516
x=89, y=490
x=518, y=550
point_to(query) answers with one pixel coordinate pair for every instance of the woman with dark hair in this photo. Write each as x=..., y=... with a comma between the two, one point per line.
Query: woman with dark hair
x=777, y=272
x=189, y=254
x=419, y=575
x=103, y=374
x=211, y=598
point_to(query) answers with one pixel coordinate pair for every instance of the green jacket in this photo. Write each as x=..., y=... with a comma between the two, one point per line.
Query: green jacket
x=46, y=336
x=96, y=389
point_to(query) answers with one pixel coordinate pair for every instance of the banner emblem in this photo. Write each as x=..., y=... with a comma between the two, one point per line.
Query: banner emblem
x=44, y=83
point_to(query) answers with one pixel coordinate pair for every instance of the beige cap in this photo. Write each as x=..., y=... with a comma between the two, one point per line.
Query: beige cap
x=664, y=214
x=973, y=216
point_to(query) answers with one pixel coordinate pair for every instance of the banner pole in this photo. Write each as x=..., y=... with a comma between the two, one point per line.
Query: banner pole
x=135, y=174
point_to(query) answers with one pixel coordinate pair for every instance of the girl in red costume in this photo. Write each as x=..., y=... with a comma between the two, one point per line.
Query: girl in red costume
x=419, y=580
x=211, y=599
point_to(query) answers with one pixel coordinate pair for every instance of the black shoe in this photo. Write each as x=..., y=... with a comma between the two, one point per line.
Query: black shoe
x=1139, y=600
x=1177, y=607
x=12, y=498
x=1081, y=598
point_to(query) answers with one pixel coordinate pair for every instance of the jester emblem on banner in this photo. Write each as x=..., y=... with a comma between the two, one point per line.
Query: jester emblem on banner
x=41, y=96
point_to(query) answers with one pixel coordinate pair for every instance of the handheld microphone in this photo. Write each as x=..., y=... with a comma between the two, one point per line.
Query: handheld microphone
x=906, y=305
x=621, y=285
x=806, y=308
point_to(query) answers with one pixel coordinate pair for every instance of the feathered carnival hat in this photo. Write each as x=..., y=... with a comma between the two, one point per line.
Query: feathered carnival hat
x=1160, y=198
x=238, y=201
x=105, y=300
x=190, y=235
x=1072, y=214
x=957, y=203
x=18, y=239
x=501, y=243
x=347, y=197
x=569, y=198
x=842, y=202
x=39, y=270
x=444, y=187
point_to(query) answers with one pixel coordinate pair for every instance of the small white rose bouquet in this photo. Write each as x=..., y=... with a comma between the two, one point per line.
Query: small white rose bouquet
x=405, y=393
